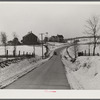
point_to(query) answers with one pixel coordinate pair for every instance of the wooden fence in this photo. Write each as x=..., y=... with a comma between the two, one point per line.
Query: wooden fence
x=85, y=53
x=27, y=54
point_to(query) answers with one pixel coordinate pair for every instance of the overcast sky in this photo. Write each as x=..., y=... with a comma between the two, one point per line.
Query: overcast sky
x=63, y=18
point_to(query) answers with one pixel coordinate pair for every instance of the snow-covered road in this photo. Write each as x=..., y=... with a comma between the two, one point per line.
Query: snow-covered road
x=49, y=75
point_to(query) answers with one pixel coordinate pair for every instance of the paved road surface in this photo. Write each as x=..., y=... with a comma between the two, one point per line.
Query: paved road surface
x=50, y=75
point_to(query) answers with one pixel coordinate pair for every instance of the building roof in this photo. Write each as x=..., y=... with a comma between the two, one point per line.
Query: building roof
x=54, y=36
x=29, y=34
x=60, y=36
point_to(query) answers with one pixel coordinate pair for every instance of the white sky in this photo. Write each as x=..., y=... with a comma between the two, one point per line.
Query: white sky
x=55, y=18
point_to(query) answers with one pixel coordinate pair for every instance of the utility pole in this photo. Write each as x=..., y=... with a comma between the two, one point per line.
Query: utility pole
x=42, y=42
x=47, y=36
x=34, y=50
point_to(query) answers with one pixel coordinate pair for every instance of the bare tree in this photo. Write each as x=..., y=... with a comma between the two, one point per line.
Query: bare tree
x=92, y=28
x=75, y=48
x=4, y=41
x=14, y=43
x=69, y=54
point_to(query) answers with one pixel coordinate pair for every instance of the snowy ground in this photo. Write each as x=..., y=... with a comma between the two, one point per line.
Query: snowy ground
x=88, y=72
x=53, y=45
x=15, y=70
x=85, y=72
x=12, y=72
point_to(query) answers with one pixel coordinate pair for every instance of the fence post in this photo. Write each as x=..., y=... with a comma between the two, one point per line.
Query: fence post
x=19, y=53
x=7, y=54
x=89, y=52
x=85, y=52
x=14, y=53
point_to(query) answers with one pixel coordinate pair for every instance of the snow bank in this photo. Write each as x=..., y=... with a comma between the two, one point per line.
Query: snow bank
x=88, y=73
x=74, y=84
x=84, y=73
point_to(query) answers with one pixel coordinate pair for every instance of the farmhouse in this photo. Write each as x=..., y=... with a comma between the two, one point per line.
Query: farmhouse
x=30, y=39
x=58, y=38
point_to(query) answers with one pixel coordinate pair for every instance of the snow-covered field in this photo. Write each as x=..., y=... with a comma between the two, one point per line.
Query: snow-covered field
x=53, y=45
x=85, y=72
x=24, y=48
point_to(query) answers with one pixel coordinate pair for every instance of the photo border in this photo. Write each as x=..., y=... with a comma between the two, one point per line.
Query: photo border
x=49, y=95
